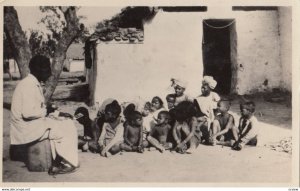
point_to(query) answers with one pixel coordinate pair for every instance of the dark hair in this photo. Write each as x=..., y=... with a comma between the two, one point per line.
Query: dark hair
x=39, y=64
x=159, y=100
x=134, y=115
x=170, y=96
x=113, y=107
x=225, y=100
x=147, y=105
x=84, y=111
x=185, y=110
x=249, y=105
x=128, y=110
x=166, y=114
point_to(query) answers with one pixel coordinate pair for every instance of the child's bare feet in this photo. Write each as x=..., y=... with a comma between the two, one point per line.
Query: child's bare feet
x=140, y=149
x=161, y=149
x=108, y=154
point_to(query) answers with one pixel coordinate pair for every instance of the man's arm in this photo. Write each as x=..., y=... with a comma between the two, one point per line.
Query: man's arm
x=32, y=108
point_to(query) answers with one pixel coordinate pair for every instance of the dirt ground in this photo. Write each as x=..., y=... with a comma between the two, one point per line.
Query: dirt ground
x=207, y=165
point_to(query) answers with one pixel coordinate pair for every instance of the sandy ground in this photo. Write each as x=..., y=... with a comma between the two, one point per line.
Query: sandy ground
x=207, y=165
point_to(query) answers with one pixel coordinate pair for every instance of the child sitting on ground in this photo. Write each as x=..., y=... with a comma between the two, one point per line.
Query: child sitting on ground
x=248, y=127
x=133, y=134
x=223, y=125
x=179, y=87
x=82, y=116
x=207, y=103
x=112, y=131
x=186, y=130
x=156, y=107
x=171, y=98
x=159, y=133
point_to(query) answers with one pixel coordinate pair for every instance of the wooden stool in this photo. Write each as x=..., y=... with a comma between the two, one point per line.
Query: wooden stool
x=39, y=157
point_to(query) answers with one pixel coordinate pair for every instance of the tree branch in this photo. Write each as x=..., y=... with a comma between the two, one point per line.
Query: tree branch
x=72, y=30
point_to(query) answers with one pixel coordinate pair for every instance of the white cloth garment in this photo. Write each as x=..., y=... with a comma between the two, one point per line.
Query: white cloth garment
x=207, y=104
x=28, y=122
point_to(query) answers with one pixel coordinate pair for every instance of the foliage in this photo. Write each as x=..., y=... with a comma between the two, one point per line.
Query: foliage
x=39, y=44
x=55, y=22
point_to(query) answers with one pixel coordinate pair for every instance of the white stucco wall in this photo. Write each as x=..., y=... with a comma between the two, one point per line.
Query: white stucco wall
x=285, y=31
x=258, y=51
x=173, y=48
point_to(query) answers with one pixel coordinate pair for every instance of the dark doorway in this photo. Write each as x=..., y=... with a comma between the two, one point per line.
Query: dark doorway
x=219, y=52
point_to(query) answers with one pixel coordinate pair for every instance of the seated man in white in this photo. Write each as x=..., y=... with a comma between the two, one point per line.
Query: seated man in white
x=30, y=120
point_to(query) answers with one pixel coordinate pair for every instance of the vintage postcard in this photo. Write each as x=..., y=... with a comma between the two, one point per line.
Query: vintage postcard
x=150, y=93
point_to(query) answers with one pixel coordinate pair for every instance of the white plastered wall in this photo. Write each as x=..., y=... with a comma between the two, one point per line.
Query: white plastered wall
x=172, y=47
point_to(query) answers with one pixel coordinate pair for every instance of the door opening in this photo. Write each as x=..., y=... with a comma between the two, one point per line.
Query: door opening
x=219, y=53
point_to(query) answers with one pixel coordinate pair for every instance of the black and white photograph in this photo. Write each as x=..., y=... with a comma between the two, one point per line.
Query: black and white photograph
x=164, y=94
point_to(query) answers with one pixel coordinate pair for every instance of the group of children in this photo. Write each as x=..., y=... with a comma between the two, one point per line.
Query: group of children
x=181, y=128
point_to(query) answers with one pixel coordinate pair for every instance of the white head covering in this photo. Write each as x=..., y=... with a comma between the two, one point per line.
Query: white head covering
x=209, y=80
x=178, y=82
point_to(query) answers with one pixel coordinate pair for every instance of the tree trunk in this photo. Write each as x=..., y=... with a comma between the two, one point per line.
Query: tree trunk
x=22, y=52
x=72, y=31
x=17, y=39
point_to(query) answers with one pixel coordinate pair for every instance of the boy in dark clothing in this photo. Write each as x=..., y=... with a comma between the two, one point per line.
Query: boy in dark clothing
x=247, y=131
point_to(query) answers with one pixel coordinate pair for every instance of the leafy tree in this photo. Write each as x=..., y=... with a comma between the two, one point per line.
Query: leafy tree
x=64, y=24
x=39, y=44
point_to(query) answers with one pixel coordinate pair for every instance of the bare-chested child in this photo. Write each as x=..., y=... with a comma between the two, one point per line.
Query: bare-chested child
x=223, y=125
x=186, y=130
x=159, y=133
x=133, y=134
